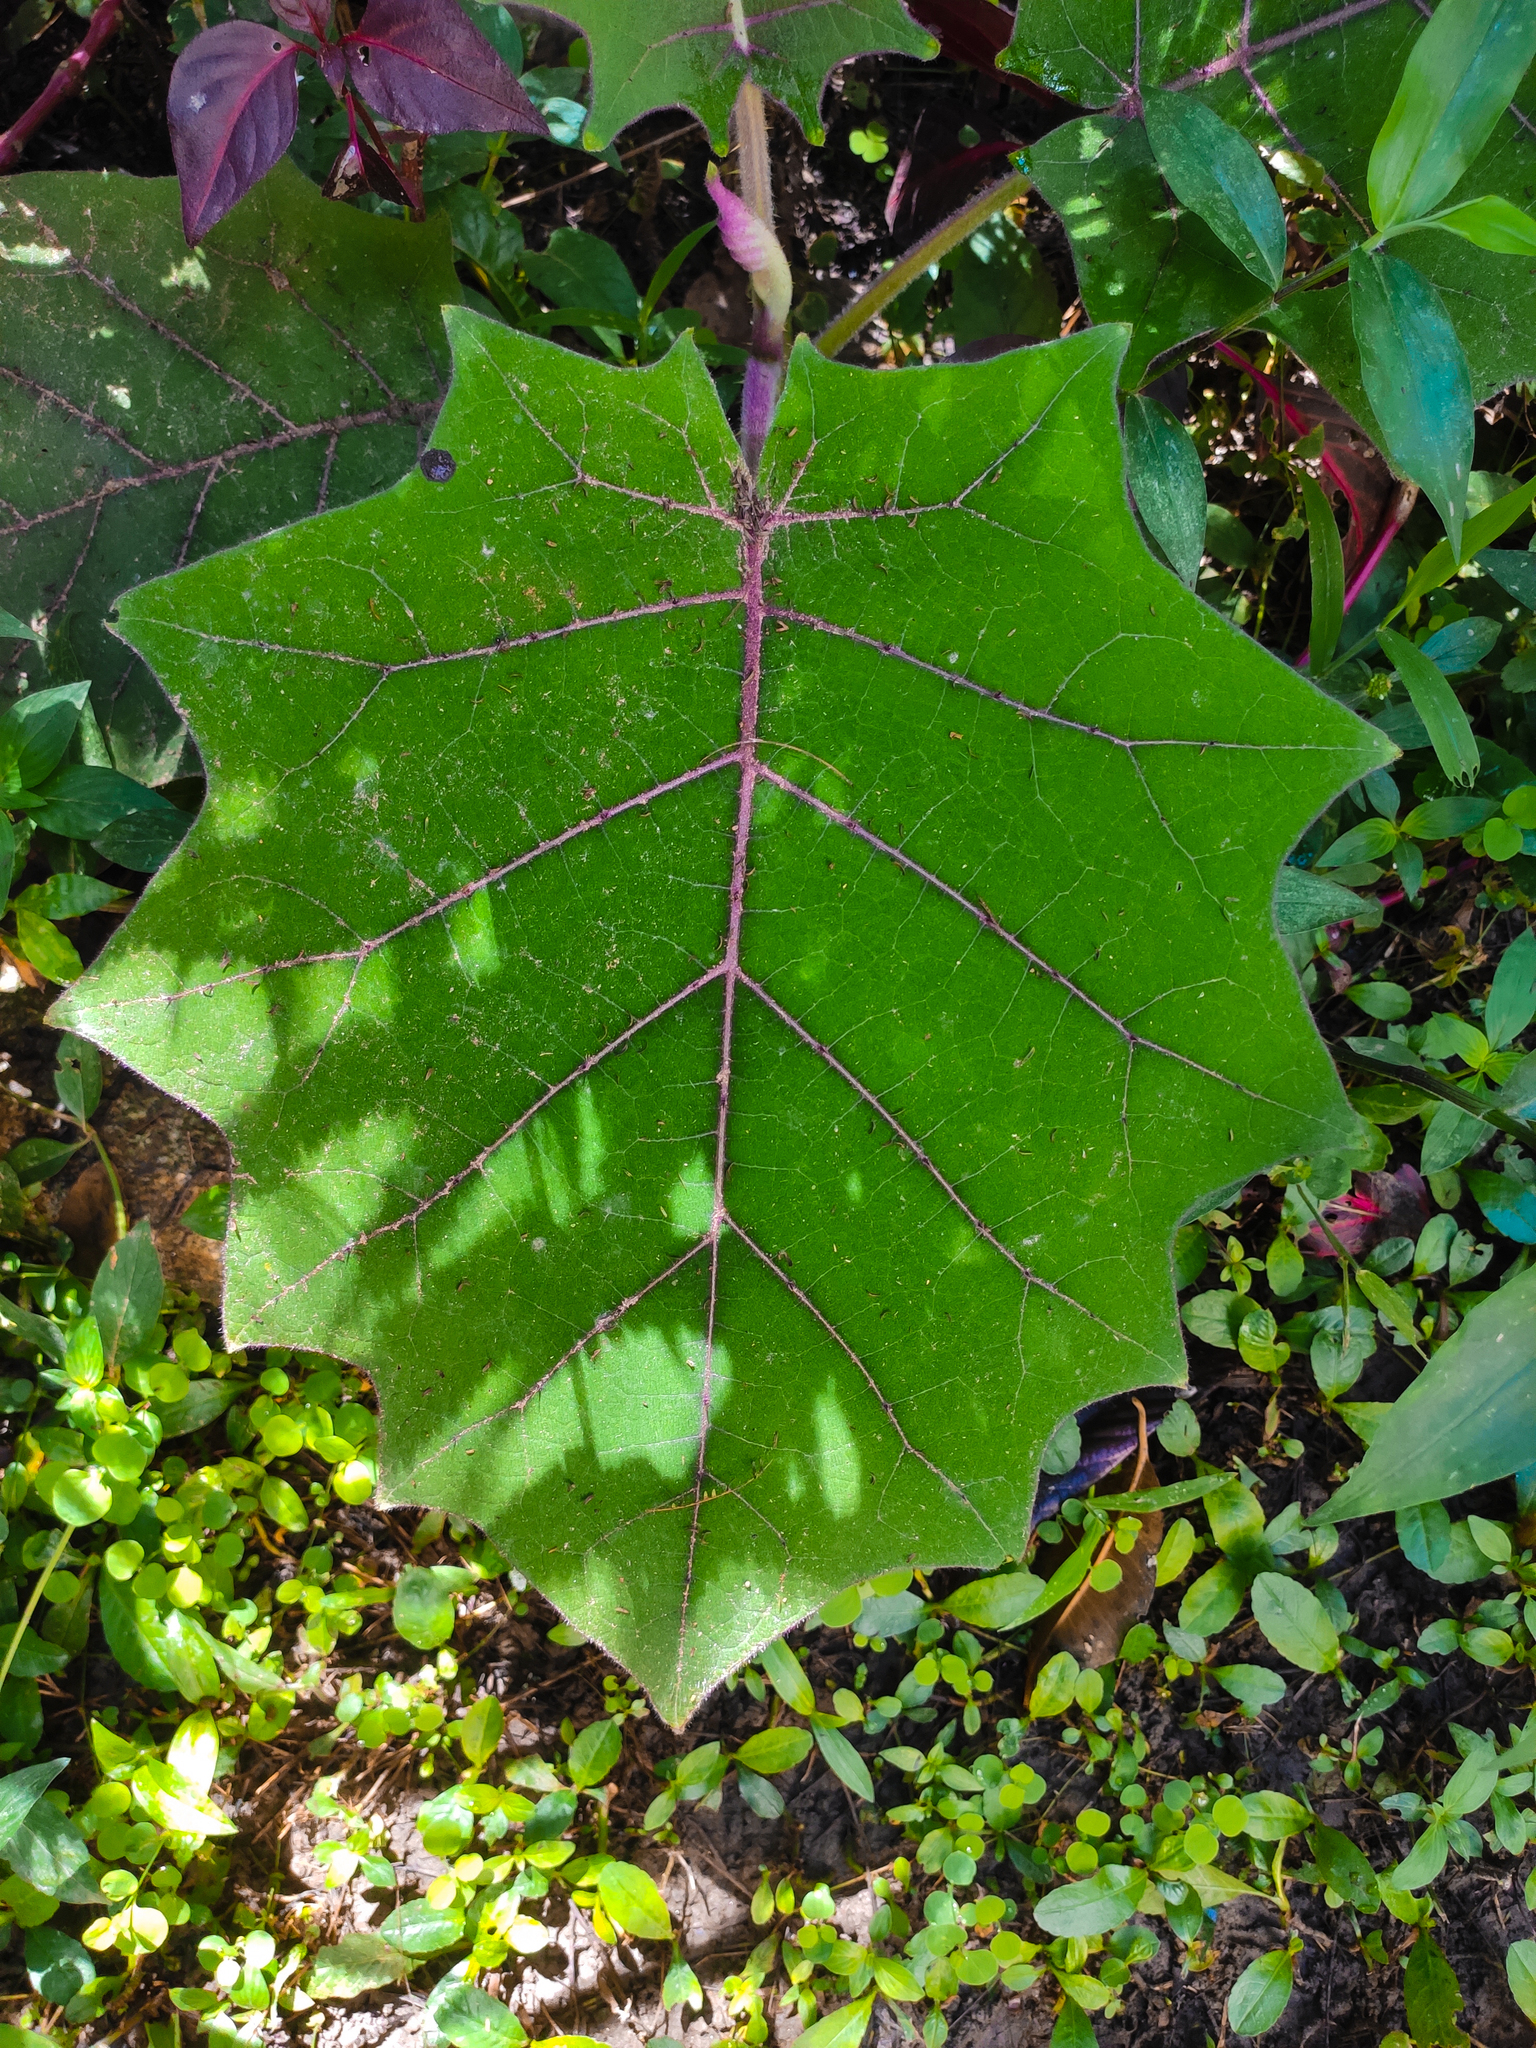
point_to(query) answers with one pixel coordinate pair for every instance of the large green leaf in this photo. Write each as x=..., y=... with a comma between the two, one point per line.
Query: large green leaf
x=721, y=999
x=1304, y=75
x=157, y=404
x=695, y=54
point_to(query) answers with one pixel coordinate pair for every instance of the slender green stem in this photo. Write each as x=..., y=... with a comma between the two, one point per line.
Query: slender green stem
x=119, y=1208
x=1255, y=313
x=31, y=1607
x=917, y=259
x=1250, y=318
x=666, y=271
x=1429, y=1083
x=1346, y=1262
x=496, y=149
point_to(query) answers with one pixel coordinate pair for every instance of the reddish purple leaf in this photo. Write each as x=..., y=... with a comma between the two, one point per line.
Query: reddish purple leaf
x=306, y=17
x=1382, y=1205
x=333, y=67
x=233, y=107
x=423, y=65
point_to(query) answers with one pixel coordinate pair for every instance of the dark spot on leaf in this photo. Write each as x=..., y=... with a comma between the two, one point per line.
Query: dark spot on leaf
x=437, y=465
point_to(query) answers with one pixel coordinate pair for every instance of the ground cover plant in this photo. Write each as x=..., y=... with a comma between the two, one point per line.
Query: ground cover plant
x=734, y=774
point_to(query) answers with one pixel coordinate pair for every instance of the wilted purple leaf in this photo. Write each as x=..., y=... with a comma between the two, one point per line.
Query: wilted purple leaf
x=233, y=106
x=422, y=64
x=307, y=17
x=360, y=168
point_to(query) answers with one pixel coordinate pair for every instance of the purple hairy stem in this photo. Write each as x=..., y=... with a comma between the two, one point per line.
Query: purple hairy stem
x=746, y=226
x=760, y=388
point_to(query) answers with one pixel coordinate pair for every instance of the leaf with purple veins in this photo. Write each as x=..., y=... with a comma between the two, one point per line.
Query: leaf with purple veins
x=305, y=17
x=423, y=65
x=233, y=107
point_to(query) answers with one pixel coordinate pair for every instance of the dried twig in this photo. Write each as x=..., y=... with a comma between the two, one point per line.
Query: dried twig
x=591, y=171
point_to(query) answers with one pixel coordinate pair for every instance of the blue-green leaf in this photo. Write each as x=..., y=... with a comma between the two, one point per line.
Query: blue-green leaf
x=1167, y=482
x=1415, y=376
x=1222, y=178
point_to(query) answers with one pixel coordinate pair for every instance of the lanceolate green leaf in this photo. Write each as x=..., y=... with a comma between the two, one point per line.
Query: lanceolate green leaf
x=695, y=54
x=1307, y=75
x=156, y=405
x=1450, y=733
x=697, y=980
x=1469, y=1417
x=1414, y=374
x=1327, y=562
x=1491, y=223
x=1431, y=1995
x=1222, y=177
x=1460, y=76
x=1167, y=483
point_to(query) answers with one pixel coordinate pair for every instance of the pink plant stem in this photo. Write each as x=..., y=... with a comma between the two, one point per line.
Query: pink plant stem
x=1401, y=895
x=1397, y=513
x=66, y=81
x=1289, y=416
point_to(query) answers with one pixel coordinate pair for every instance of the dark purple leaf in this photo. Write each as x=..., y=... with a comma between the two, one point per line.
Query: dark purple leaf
x=306, y=17
x=422, y=65
x=233, y=107
x=333, y=67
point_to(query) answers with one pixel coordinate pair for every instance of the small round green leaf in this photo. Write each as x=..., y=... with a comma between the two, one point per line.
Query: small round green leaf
x=81, y=1497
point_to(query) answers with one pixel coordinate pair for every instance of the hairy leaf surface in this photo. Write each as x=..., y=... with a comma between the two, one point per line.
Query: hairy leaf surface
x=720, y=999
x=1297, y=74
x=157, y=404
x=695, y=54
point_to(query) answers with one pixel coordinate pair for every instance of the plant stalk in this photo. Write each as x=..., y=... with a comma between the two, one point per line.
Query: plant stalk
x=31, y=1607
x=119, y=1207
x=1288, y=415
x=765, y=362
x=67, y=79
x=918, y=258
x=749, y=126
x=1403, y=501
